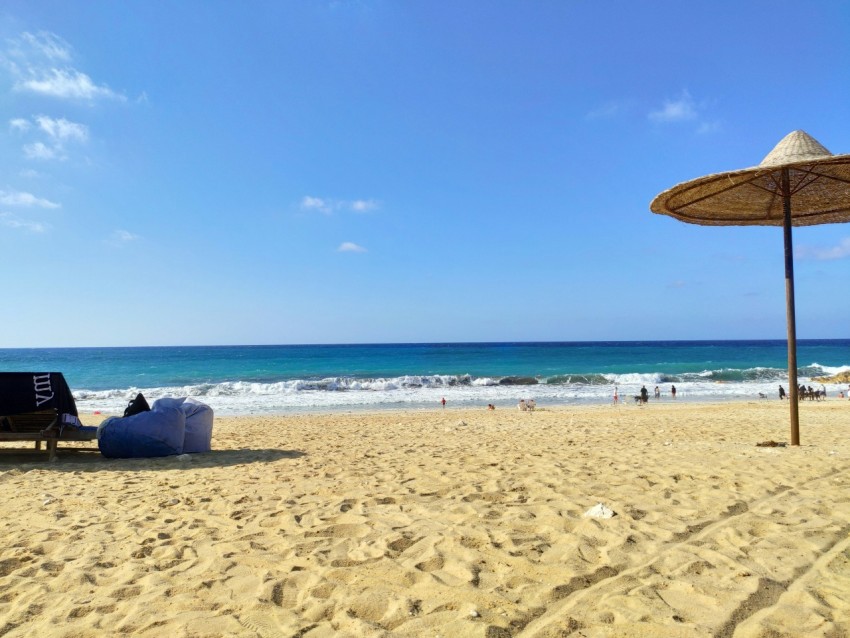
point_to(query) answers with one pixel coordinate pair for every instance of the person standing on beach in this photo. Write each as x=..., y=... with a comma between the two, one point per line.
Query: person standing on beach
x=616, y=396
x=644, y=394
x=443, y=402
x=781, y=393
x=673, y=391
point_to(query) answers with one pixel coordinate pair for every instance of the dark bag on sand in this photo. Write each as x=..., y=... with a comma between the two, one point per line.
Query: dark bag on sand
x=139, y=404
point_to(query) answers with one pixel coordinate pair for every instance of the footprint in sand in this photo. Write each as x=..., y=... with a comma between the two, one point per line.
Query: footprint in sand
x=285, y=594
x=432, y=564
x=399, y=546
x=263, y=624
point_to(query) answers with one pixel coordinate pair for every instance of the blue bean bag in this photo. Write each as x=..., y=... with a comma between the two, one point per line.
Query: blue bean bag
x=147, y=434
x=199, y=422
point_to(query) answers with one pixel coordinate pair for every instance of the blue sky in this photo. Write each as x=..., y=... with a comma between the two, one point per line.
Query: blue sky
x=390, y=171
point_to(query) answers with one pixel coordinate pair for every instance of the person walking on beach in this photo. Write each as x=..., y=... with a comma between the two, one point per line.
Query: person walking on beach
x=443, y=402
x=781, y=393
x=673, y=391
x=644, y=394
x=657, y=393
x=616, y=396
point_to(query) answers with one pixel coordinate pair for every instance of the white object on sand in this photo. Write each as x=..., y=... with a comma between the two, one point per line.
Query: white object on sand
x=600, y=511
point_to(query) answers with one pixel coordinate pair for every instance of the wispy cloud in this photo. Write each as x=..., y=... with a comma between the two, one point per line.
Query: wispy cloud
x=706, y=128
x=327, y=206
x=350, y=247
x=679, y=283
x=685, y=109
x=363, y=205
x=50, y=45
x=609, y=110
x=12, y=221
x=679, y=110
x=66, y=83
x=318, y=204
x=40, y=151
x=62, y=129
x=124, y=236
x=57, y=134
x=25, y=200
x=20, y=124
x=830, y=253
x=120, y=238
x=41, y=63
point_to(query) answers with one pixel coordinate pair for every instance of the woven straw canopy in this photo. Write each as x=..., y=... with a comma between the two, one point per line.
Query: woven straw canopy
x=818, y=186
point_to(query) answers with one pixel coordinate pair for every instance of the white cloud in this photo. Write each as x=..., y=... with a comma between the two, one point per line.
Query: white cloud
x=62, y=129
x=685, y=109
x=58, y=132
x=50, y=45
x=19, y=124
x=363, y=205
x=328, y=206
x=316, y=203
x=26, y=200
x=40, y=151
x=66, y=83
x=9, y=220
x=123, y=236
x=839, y=251
x=609, y=110
x=350, y=247
x=706, y=128
x=679, y=110
x=41, y=63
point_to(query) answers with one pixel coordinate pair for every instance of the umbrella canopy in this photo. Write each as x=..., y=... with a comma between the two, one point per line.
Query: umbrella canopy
x=799, y=183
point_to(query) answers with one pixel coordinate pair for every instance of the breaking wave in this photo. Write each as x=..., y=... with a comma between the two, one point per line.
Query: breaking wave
x=420, y=391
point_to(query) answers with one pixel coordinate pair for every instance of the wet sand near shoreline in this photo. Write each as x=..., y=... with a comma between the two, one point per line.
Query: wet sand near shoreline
x=444, y=523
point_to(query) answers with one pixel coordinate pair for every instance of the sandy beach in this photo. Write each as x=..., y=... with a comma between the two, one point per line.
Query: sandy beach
x=444, y=523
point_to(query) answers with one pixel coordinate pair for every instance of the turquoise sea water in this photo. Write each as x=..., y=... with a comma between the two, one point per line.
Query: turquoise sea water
x=252, y=379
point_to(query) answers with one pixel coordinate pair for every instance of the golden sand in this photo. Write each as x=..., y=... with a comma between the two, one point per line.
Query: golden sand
x=443, y=523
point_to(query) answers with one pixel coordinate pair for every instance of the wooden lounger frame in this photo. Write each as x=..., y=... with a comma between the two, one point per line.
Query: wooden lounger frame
x=42, y=426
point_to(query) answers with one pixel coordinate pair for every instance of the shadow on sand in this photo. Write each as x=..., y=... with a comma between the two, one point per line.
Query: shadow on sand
x=76, y=460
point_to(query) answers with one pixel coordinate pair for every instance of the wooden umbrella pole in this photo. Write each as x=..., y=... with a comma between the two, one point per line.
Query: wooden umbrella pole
x=793, y=394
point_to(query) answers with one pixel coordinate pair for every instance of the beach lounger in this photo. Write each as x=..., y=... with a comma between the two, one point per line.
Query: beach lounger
x=39, y=406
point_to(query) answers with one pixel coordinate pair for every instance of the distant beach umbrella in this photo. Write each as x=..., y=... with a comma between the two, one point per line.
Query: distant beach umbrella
x=799, y=183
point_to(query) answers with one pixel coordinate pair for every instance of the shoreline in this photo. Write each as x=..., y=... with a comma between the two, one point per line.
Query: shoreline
x=452, y=522
x=626, y=400
x=625, y=403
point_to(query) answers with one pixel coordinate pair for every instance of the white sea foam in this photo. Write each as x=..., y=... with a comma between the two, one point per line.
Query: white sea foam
x=651, y=378
x=830, y=370
x=332, y=394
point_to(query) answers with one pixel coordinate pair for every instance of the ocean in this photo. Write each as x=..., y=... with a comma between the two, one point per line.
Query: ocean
x=304, y=378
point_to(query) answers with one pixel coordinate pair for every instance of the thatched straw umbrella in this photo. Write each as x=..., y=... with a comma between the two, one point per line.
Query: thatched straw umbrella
x=799, y=183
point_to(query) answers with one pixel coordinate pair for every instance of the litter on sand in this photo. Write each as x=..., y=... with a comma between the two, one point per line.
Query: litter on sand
x=600, y=511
